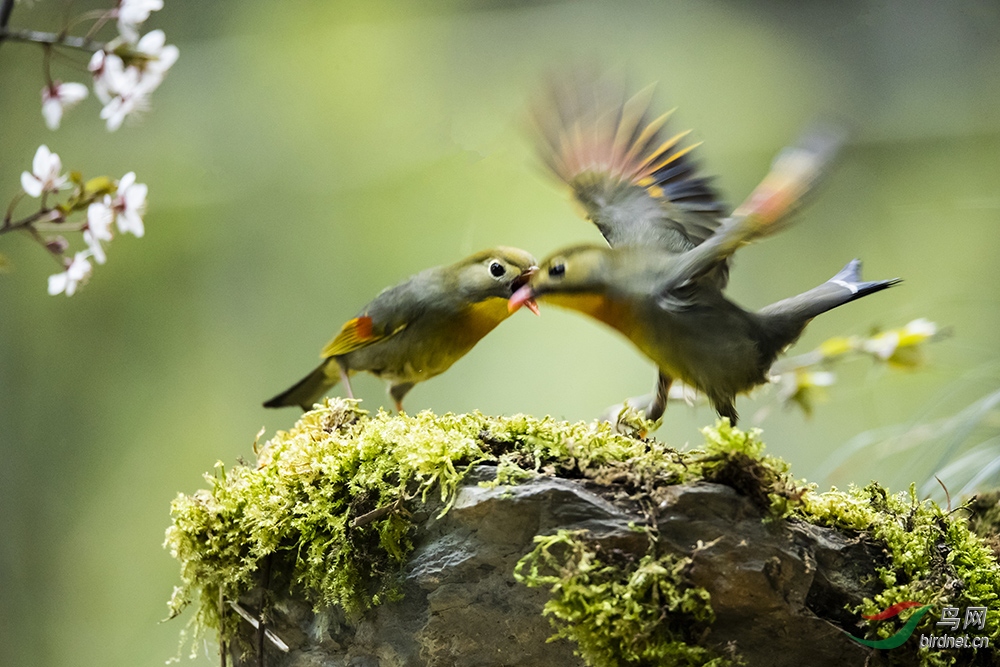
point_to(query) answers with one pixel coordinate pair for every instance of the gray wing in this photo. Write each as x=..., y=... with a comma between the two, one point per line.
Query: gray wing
x=389, y=313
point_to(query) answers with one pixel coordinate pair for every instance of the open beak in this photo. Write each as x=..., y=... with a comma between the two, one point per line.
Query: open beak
x=524, y=296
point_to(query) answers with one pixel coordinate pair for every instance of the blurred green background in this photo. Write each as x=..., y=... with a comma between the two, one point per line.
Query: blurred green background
x=302, y=155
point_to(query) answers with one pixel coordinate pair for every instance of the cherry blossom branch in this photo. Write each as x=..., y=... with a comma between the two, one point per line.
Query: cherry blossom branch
x=53, y=214
x=124, y=72
x=89, y=207
x=52, y=39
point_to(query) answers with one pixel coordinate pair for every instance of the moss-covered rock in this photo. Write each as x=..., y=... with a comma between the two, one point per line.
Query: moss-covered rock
x=650, y=556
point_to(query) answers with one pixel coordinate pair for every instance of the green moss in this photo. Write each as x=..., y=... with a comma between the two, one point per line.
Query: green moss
x=325, y=500
x=933, y=558
x=984, y=518
x=618, y=611
x=326, y=505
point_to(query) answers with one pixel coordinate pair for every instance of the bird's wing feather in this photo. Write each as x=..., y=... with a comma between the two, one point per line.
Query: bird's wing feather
x=636, y=182
x=793, y=178
x=392, y=311
x=357, y=333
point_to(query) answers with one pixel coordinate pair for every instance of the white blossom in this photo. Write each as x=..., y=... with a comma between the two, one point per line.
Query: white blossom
x=99, y=219
x=96, y=67
x=58, y=98
x=75, y=275
x=131, y=13
x=804, y=387
x=117, y=86
x=129, y=205
x=44, y=175
x=902, y=347
x=125, y=88
x=920, y=329
x=94, y=247
x=160, y=58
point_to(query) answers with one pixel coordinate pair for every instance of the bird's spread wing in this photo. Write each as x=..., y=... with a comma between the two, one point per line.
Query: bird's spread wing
x=794, y=175
x=793, y=178
x=636, y=181
x=356, y=334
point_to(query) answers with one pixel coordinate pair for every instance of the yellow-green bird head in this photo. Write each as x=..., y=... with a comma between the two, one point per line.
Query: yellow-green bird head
x=495, y=273
x=571, y=277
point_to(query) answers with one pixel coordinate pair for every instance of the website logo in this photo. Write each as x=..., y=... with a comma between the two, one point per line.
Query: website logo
x=903, y=633
x=951, y=618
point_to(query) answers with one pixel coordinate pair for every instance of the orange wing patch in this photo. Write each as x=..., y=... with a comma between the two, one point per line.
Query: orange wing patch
x=355, y=334
x=793, y=175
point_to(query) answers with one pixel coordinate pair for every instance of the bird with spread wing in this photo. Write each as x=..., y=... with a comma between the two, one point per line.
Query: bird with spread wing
x=661, y=281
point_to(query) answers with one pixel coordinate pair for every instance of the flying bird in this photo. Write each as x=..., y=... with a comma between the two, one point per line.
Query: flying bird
x=661, y=281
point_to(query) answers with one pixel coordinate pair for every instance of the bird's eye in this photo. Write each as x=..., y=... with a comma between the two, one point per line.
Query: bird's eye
x=557, y=270
x=497, y=270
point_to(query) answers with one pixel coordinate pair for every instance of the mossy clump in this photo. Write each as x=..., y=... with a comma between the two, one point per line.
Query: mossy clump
x=327, y=502
x=617, y=609
x=934, y=558
x=326, y=499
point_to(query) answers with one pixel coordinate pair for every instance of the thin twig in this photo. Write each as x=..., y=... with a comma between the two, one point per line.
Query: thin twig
x=82, y=18
x=10, y=209
x=374, y=515
x=51, y=38
x=70, y=60
x=249, y=618
x=58, y=256
x=47, y=65
x=9, y=226
x=378, y=513
x=946, y=494
x=98, y=24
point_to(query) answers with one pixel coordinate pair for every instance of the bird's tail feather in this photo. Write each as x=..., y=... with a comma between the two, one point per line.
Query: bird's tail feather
x=307, y=391
x=787, y=318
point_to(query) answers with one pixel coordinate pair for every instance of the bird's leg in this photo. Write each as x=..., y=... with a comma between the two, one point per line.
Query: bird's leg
x=346, y=380
x=726, y=408
x=398, y=391
x=658, y=405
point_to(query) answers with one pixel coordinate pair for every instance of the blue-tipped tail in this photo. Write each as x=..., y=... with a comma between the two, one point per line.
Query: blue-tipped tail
x=783, y=321
x=849, y=278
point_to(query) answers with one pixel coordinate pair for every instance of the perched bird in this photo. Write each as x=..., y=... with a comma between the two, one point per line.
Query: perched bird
x=416, y=330
x=661, y=282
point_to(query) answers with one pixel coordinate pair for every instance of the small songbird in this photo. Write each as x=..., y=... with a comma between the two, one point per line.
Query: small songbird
x=416, y=330
x=660, y=283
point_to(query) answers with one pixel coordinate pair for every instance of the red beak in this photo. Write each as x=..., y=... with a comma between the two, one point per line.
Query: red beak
x=523, y=297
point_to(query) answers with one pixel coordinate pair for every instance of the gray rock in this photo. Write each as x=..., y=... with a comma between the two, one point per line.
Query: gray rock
x=776, y=586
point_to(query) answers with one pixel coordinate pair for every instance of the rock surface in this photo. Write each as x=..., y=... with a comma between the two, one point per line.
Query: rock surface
x=775, y=586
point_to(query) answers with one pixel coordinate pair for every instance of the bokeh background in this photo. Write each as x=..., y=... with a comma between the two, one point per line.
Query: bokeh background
x=302, y=155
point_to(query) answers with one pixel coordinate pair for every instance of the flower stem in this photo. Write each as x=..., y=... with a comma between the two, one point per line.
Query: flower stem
x=28, y=222
x=51, y=39
x=58, y=256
